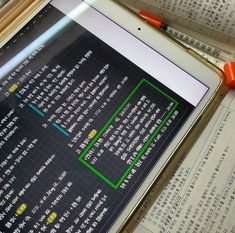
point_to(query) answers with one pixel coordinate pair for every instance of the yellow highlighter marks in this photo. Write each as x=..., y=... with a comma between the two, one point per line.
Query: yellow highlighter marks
x=21, y=209
x=12, y=88
x=92, y=134
x=51, y=218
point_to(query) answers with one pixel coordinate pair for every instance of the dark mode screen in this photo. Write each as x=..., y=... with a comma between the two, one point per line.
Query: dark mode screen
x=80, y=128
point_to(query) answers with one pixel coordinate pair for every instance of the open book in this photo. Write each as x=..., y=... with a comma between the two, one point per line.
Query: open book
x=200, y=197
x=212, y=22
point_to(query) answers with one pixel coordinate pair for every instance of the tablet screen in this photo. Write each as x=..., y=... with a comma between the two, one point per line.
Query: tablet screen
x=82, y=121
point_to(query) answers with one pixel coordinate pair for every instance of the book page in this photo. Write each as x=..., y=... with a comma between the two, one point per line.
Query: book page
x=216, y=19
x=216, y=61
x=201, y=195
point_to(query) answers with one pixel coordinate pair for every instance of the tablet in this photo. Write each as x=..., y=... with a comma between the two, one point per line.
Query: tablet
x=93, y=105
